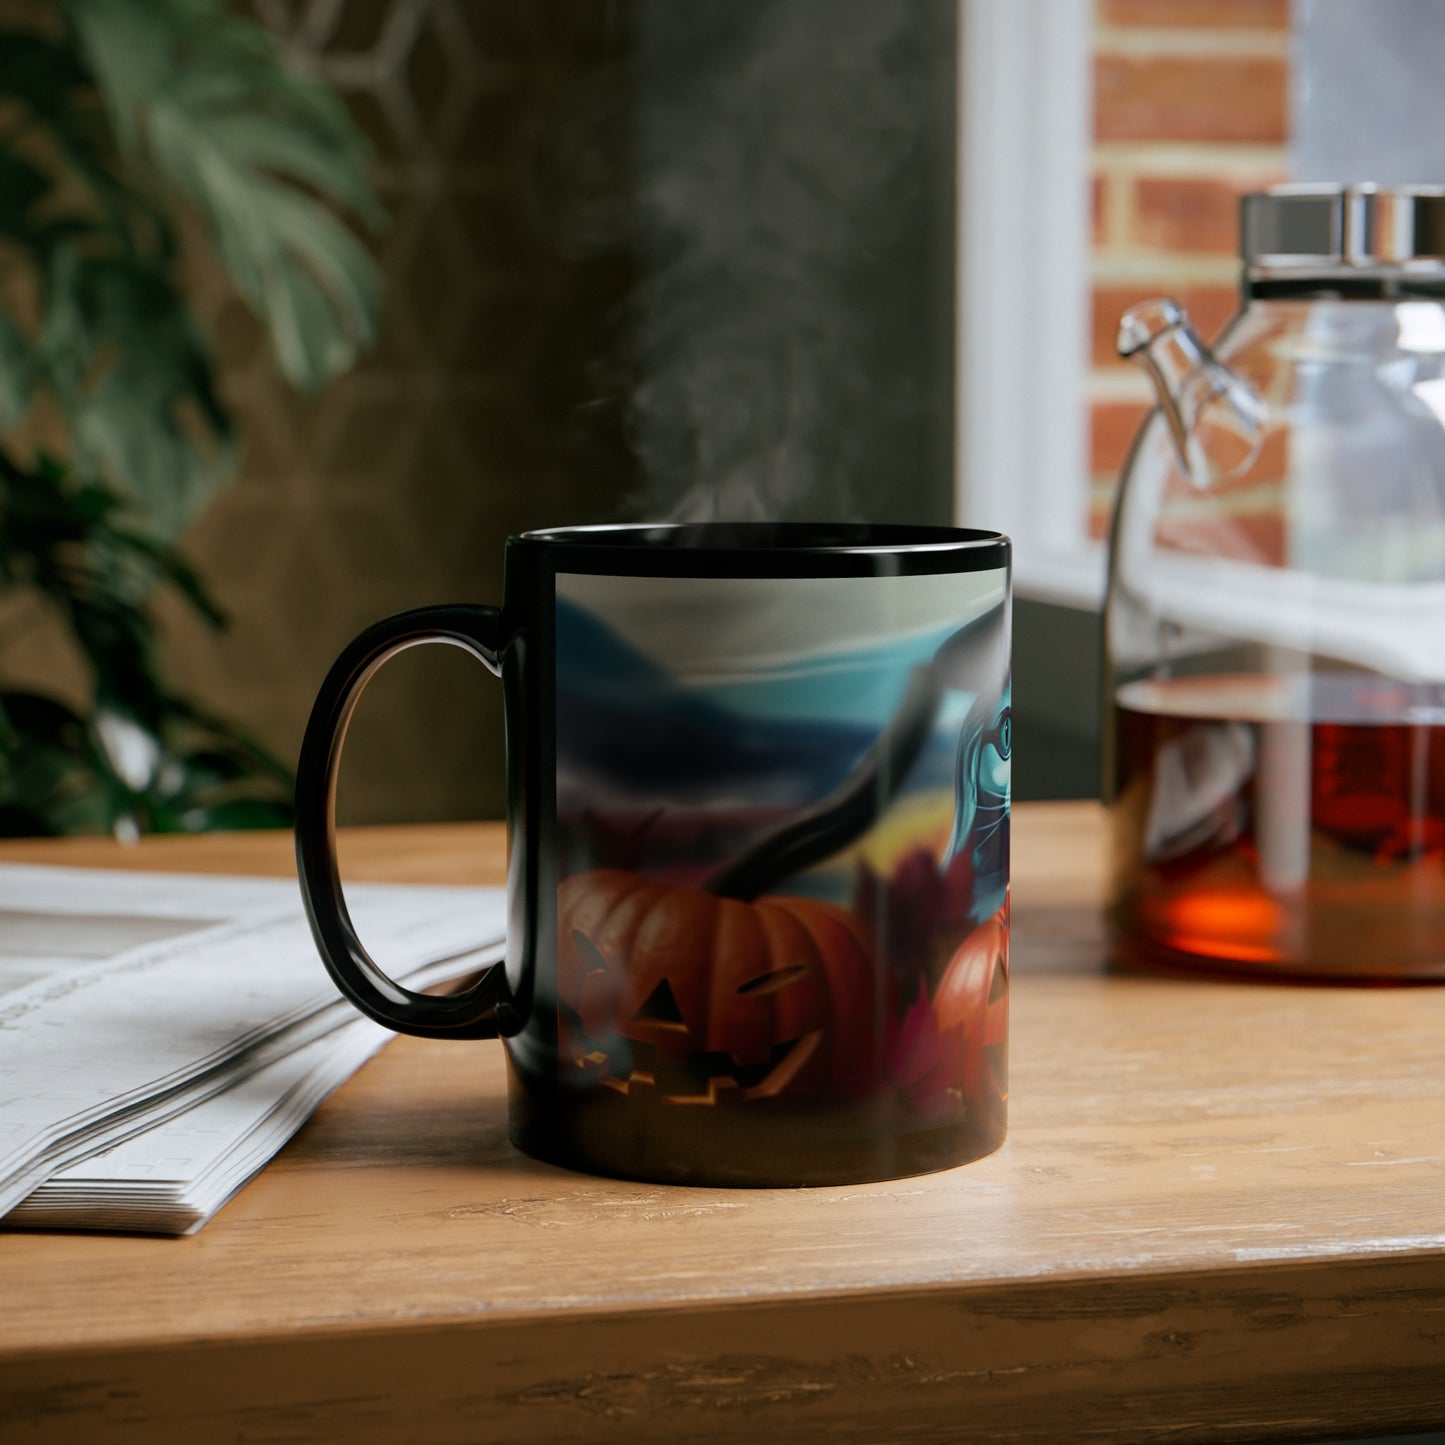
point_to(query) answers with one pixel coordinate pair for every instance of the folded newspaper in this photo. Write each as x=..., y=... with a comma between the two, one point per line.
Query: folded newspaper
x=162, y=1035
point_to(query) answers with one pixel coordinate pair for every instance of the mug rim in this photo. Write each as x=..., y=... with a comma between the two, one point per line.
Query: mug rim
x=773, y=537
x=758, y=549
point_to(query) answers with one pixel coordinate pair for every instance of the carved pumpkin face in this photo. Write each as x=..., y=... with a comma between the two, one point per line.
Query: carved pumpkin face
x=972, y=996
x=695, y=998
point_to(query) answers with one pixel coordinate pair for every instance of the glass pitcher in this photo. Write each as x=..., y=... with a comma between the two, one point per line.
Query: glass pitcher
x=1275, y=623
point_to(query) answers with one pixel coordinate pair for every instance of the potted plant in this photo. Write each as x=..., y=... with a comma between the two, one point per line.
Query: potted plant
x=122, y=122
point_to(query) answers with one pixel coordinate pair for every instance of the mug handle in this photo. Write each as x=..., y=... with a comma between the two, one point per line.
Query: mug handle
x=471, y=1014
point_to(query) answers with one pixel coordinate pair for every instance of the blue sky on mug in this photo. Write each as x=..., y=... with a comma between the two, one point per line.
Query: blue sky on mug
x=839, y=648
x=735, y=702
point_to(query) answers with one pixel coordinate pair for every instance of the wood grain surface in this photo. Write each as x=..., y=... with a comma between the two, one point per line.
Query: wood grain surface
x=1220, y=1214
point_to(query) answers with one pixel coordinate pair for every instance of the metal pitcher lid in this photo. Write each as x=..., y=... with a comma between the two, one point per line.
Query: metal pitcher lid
x=1314, y=227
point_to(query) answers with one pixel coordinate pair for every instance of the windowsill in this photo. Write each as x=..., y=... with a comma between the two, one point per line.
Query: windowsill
x=1063, y=578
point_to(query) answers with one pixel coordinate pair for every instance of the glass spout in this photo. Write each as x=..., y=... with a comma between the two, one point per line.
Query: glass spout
x=1216, y=419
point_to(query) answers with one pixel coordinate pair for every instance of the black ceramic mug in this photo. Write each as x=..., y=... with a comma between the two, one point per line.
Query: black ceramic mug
x=758, y=807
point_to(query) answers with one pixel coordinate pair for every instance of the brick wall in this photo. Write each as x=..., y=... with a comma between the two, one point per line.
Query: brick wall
x=1190, y=111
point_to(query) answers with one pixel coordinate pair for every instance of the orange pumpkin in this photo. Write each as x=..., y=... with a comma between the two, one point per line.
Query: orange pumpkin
x=972, y=996
x=684, y=995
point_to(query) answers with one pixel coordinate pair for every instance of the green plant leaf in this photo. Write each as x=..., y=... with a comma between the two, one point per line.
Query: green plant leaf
x=133, y=376
x=234, y=813
x=39, y=73
x=50, y=783
x=135, y=104
x=63, y=773
x=129, y=47
x=238, y=744
x=17, y=375
x=22, y=185
x=52, y=90
x=170, y=566
x=264, y=152
x=73, y=545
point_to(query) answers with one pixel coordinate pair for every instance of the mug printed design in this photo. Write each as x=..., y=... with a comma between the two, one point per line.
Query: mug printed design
x=782, y=823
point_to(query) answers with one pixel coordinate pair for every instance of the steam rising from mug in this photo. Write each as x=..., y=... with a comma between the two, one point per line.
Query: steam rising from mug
x=793, y=168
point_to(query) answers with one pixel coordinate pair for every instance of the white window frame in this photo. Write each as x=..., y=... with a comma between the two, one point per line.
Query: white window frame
x=1025, y=123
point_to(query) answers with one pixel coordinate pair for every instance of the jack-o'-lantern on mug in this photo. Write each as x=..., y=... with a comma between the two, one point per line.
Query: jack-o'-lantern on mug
x=728, y=824
x=696, y=998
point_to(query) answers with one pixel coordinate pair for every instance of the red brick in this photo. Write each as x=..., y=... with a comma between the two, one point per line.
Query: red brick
x=1245, y=536
x=1209, y=307
x=1216, y=98
x=1112, y=426
x=1186, y=213
x=1097, y=219
x=1198, y=14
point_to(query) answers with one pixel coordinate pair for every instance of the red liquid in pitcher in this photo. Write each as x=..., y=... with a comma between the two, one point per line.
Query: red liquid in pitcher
x=1281, y=825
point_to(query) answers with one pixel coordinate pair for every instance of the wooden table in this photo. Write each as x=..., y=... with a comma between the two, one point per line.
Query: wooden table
x=1220, y=1214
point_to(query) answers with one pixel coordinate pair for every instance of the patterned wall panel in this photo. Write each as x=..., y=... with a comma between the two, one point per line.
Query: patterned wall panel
x=476, y=416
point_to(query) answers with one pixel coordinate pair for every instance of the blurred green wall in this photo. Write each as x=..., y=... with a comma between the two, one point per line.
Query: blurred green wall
x=1056, y=652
